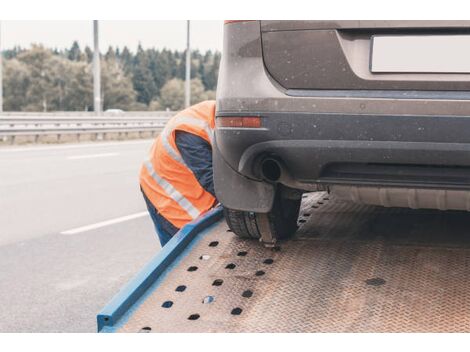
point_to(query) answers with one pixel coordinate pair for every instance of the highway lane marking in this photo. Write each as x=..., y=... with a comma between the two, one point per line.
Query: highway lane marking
x=90, y=156
x=104, y=223
x=35, y=148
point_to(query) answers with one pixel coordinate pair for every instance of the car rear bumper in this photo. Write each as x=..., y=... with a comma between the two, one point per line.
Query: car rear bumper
x=315, y=149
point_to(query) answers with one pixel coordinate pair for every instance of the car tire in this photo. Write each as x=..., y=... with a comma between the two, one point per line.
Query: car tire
x=282, y=220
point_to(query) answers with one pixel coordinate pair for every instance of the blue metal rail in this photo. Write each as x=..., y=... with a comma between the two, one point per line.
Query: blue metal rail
x=154, y=271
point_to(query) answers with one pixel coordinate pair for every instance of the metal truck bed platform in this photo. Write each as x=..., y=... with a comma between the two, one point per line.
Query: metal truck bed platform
x=350, y=268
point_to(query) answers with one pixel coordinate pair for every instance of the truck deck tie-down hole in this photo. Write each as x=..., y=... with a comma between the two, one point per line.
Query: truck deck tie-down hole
x=180, y=288
x=242, y=253
x=145, y=329
x=192, y=268
x=167, y=304
x=230, y=266
x=260, y=273
x=268, y=261
x=247, y=293
x=217, y=282
x=236, y=311
x=214, y=244
x=194, y=317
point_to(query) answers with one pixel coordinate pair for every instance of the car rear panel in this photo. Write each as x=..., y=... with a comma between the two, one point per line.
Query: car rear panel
x=328, y=119
x=336, y=55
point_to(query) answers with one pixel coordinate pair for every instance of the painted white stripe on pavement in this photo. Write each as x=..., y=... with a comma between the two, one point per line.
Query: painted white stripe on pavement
x=104, y=223
x=35, y=148
x=90, y=156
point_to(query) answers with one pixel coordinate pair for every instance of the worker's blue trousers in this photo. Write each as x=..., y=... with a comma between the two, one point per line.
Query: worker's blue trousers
x=163, y=235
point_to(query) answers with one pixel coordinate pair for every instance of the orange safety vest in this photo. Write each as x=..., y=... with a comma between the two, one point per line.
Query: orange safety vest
x=165, y=178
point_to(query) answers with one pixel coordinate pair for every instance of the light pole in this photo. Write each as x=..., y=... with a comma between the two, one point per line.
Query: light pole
x=96, y=71
x=187, y=87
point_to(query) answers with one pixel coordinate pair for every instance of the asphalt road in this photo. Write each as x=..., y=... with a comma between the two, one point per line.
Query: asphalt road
x=73, y=230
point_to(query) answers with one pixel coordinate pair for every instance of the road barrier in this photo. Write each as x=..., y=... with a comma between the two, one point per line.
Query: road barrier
x=13, y=125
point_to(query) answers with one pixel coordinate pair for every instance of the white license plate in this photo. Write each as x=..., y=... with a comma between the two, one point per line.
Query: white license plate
x=420, y=54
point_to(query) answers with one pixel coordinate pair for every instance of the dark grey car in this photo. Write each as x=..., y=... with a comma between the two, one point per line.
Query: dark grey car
x=377, y=112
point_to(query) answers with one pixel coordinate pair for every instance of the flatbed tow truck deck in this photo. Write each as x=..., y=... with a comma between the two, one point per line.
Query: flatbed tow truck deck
x=350, y=268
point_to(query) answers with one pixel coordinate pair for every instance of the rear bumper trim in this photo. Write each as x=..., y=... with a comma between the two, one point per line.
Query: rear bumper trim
x=309, y=160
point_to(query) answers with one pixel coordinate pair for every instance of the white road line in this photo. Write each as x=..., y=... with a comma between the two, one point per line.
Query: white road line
x=34, y=148
x=90, y=156
x=104, y=223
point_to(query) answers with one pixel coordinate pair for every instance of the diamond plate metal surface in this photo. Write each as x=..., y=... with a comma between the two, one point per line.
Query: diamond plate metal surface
x=350, y=268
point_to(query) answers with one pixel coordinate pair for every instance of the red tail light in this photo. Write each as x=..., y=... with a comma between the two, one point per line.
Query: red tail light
x=243, y=122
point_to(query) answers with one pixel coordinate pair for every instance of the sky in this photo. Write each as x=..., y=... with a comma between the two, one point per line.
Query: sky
x=205, y=35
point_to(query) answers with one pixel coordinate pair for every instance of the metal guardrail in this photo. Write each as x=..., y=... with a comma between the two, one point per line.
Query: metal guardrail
x=79, y=121
x=86, y=114
x=13, y=125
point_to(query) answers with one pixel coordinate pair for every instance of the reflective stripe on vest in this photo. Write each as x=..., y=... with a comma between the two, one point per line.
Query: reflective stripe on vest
x=165, y=135
x=172, y=192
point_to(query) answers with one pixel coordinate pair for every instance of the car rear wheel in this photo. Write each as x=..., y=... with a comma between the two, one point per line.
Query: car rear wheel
x=281, y=221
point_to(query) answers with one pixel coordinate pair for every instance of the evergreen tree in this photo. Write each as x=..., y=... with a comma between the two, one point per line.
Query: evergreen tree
x=74, y=52
x=88, y=54
x=110, y=54
x=142, y=78
x=126, y=60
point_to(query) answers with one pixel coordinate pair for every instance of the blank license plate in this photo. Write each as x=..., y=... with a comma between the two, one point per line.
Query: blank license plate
x=420, y=54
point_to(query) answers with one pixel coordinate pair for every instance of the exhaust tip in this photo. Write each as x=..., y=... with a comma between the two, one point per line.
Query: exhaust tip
x=271, y=170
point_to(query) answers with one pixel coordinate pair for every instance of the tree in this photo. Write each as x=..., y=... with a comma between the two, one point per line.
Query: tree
x=198, y=93
x=161, y=69
x=125, y=58
x=142, y=78
x=41, y=79
x=110, y=54
x=74, y=53
x=15, y=82
x=211, y=70
x=172, y=94
x=42, y=89
x=78, y=88
x=155, y=106
x=118, y=92
x=88, y=54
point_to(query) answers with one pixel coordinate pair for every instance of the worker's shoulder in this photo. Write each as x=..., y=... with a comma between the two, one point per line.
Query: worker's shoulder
x=204, y=109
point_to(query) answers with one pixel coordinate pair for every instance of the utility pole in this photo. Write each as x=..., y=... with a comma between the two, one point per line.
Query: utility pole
x=96, y=71
x=187, y=87
x=1, y=70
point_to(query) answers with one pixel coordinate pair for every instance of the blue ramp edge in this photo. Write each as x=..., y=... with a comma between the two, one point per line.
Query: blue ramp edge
x=136, y=288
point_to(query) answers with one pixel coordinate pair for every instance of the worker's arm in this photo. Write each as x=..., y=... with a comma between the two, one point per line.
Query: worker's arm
x=197, y=154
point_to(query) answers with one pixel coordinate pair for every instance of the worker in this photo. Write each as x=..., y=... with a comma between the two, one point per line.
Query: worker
x=176, y=180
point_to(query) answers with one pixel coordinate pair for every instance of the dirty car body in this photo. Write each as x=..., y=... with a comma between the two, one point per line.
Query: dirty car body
x=341, y=110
